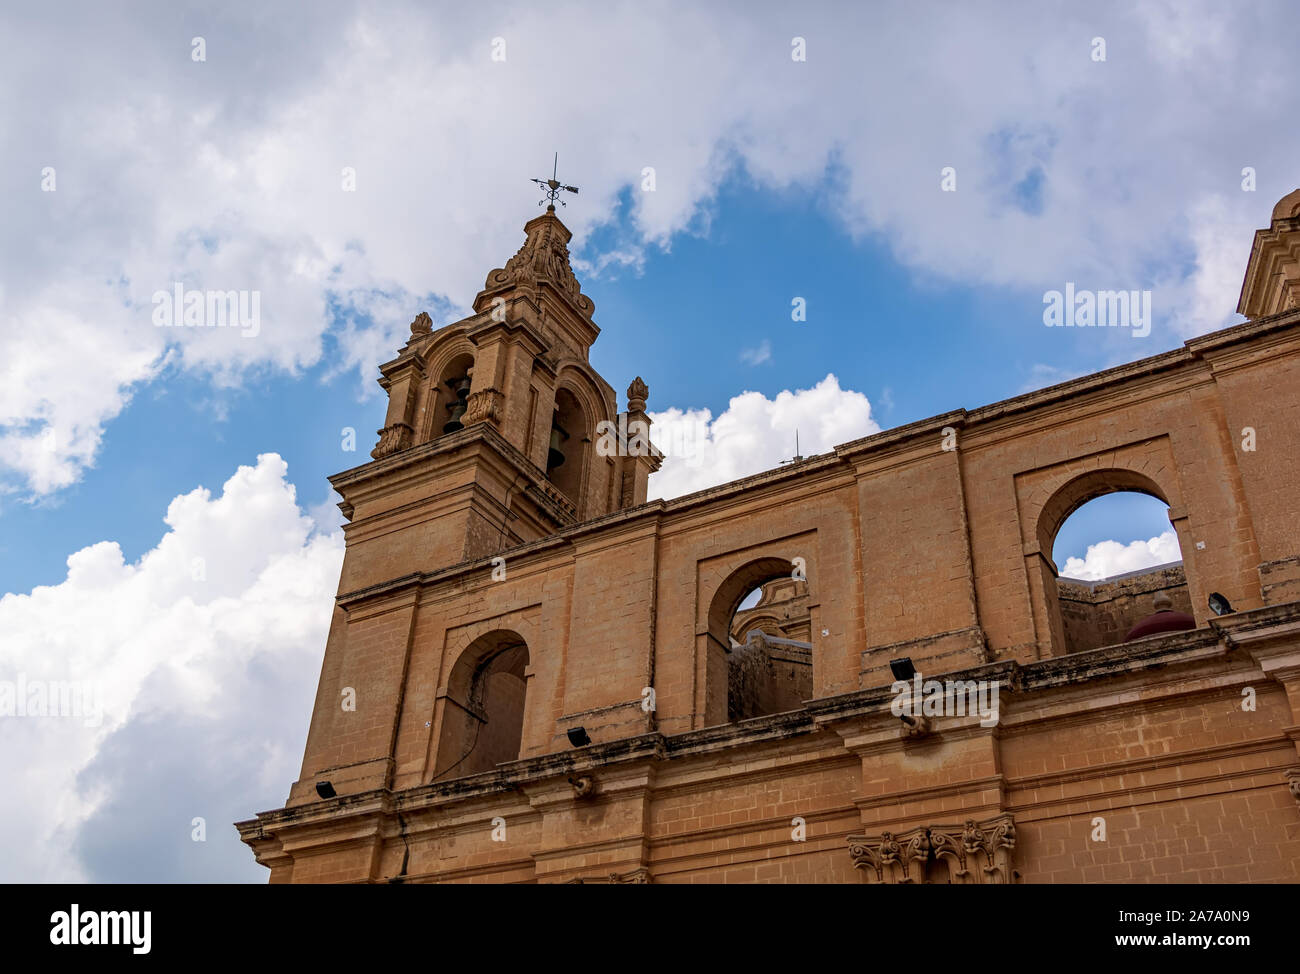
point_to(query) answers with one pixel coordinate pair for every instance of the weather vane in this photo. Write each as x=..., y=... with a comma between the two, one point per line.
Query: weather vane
x=553, y=186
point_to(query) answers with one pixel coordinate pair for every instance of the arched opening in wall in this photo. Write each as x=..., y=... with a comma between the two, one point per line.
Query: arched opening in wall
x=483, y=722
x=566, y=457
x=1120, y=572
x=450, y=394
x=760, y=643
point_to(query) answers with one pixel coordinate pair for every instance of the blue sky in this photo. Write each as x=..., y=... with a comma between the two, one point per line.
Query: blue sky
x=682, y=320
x=167, y=533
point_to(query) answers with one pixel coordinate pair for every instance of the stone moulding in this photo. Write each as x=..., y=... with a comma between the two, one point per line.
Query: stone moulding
x=973, y=854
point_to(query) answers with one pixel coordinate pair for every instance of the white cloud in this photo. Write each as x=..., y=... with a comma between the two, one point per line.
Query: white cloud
x=205, y=655
x=757, y=356
x=226, y=174
x=1107, y=558
x=753, y=434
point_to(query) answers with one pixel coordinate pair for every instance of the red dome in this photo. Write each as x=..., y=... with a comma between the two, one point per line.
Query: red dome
x=1166, y=620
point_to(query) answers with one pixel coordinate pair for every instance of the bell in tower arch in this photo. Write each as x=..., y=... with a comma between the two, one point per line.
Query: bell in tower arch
x=555, y=455
x=460, y=388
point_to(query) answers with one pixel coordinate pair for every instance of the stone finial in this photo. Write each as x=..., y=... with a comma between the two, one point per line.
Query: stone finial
x=544, y=257
x=1162, y=602
x=637, y=393
x=422, y=325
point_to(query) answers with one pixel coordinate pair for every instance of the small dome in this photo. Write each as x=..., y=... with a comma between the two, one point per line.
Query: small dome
x=1288, y=206
x=1164, y=619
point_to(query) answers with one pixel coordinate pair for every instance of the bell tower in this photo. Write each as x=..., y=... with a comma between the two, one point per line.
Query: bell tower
x=497, y=433
x=493, y=433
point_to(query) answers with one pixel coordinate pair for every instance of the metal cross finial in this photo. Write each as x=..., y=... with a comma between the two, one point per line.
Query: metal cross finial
x=553, y=186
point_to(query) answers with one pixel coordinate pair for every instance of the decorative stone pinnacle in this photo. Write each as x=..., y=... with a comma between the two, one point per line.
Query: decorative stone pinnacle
x=422, y=325
x=543, y=258
x=637, y=393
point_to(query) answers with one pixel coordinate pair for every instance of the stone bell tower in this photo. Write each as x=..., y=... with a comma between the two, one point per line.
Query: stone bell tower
x=492, y=435
x=497, y=434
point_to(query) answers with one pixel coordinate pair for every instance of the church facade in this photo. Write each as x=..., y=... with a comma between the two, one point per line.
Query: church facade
x=534, y=674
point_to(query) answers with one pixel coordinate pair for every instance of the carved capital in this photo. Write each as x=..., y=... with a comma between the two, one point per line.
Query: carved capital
x=1293, y=782
x=969, y=854
x=638, y=877
x=392, y=439
x=976, y=854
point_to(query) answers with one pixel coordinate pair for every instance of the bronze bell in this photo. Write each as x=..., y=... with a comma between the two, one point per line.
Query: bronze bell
x=457, y=408
x=555, y=456
x=460, y=389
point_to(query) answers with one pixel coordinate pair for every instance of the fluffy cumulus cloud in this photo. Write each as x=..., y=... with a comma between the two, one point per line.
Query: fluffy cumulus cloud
x=753, y=434
x=142, y=696
x=230, y=173
x=1107, y=558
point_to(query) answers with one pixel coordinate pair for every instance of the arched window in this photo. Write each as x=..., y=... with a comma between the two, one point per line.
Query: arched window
x=756, y=666
x=483, y=722
x=566, y=458
x=1118, y=562
x=448, y=396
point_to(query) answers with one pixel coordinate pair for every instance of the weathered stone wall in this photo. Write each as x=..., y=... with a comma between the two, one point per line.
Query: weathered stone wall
x=767, y=675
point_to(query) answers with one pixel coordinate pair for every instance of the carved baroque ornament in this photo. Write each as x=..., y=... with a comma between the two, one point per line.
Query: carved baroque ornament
x=970, y=854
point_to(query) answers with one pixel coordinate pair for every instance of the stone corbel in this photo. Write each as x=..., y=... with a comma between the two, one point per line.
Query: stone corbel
x=1293, y=782
x=584, y=786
